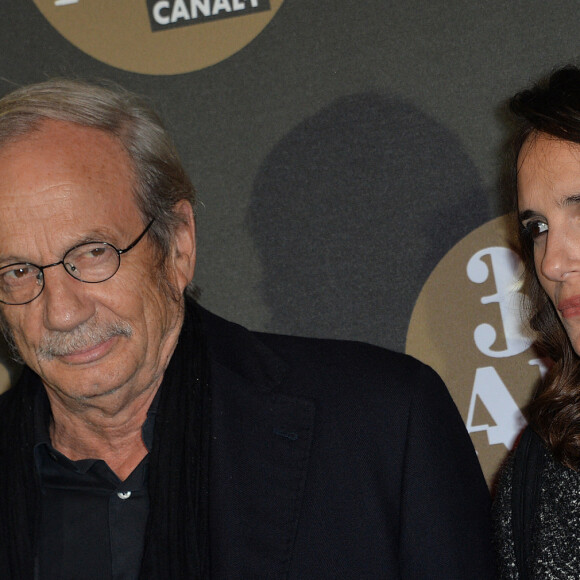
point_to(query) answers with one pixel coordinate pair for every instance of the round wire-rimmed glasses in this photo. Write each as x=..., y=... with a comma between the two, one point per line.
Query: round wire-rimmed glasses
x=90, y=262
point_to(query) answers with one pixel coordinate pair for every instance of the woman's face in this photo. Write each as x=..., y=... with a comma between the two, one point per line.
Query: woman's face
x=549, y=209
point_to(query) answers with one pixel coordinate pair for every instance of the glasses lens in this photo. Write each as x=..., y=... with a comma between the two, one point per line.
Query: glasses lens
x=20, y=283
x=92, y=262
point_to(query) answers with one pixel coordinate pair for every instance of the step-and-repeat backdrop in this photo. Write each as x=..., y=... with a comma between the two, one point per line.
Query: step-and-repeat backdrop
x=347, y=156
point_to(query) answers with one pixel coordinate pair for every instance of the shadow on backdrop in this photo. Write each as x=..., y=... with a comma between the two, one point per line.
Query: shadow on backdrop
x=350, y=213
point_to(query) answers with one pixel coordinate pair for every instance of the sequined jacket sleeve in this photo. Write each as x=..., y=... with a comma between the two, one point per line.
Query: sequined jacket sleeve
x=555, y=542
x=502, y=522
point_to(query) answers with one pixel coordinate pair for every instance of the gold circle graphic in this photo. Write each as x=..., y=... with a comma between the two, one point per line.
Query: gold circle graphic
x=159, y=37
x=471, y=295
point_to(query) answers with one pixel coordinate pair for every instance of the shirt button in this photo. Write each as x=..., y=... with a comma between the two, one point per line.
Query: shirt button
x=123, y=494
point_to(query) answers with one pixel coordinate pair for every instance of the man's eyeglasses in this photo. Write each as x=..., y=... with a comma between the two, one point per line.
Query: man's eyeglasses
x=91, y=262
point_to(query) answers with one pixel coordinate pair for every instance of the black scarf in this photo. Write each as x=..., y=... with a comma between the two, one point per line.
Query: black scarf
x=176, y=539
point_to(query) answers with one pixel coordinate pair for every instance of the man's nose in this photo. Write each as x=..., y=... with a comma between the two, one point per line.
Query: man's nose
x=66, y=300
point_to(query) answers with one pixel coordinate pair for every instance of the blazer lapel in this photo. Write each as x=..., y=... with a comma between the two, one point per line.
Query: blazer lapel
x=258, y=461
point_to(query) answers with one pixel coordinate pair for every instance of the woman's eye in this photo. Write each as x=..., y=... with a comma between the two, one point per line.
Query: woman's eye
x=536, y=228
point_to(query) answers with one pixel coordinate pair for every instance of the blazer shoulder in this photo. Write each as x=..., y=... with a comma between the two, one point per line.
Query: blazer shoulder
x=317, y=367
x=343, y=354
x=355, y=369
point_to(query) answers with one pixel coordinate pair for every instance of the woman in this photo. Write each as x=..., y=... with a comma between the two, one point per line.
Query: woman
x=537, y=508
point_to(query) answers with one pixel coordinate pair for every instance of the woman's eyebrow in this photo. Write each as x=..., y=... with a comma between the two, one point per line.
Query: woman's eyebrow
x=527, y=214
x=569, y=200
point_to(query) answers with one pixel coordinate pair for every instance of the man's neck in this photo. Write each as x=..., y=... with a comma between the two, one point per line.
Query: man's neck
x=110, y=431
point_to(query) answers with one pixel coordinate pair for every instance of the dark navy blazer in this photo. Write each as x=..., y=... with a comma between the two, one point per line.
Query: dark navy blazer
x=338, y=460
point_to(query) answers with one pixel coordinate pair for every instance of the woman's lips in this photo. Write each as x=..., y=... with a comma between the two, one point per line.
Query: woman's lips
x=570, y=307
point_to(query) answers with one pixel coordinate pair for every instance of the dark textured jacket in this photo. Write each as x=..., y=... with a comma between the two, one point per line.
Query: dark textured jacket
x=555, y=541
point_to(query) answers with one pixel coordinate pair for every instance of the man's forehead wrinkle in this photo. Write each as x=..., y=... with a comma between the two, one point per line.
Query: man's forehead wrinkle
x=59, y=175
x=48, y=203
x=37, y=196
x=37, y=246
x=67, y=146
x=70, y=233
x=27, y=228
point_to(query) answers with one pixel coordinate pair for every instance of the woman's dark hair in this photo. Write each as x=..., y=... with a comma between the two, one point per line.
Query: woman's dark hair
x=552, y=108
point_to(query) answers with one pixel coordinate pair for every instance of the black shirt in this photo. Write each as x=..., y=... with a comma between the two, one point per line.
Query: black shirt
x=93, y=524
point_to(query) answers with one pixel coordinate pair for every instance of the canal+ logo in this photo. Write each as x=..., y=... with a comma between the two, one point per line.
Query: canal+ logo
x=165, y=14
x=158, y=36
x=468, y=324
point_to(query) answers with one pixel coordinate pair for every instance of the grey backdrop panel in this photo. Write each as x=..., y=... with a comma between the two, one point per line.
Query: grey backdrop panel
x=340, y=154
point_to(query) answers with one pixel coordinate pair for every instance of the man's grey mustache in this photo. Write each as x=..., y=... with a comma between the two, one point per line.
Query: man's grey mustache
x=85, y=336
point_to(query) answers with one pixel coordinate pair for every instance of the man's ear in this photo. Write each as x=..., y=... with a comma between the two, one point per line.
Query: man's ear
x=183, y=252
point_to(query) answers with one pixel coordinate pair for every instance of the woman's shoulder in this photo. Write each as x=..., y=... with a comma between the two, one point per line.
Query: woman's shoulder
x=537, y=500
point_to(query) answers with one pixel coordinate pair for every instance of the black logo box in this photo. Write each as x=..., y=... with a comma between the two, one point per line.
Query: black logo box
x=167, y=14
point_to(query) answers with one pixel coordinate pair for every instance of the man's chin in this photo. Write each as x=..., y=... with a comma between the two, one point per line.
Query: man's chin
x=82, y=394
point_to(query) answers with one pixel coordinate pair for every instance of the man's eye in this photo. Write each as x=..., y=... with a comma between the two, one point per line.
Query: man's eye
x=536, y=228
x=18, y=275
x=96, y=252
x=89, y=253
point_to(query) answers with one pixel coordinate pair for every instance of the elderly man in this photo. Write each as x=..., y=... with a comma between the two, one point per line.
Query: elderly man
x=150, y=439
